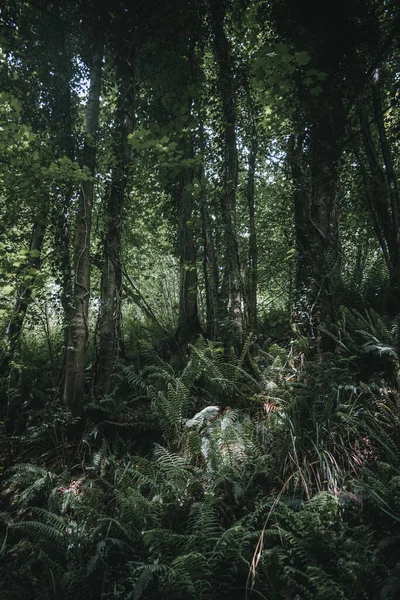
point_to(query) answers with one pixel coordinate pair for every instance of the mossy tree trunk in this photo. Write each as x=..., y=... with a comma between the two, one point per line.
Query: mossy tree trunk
x=73, y=392
x=111, y=280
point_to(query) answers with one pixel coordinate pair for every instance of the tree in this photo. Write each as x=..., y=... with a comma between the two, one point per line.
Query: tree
x=231, y=285
x=41, y=72
x=74, y=384
x=252, y=275
x=111, y=279
x=189, y=326
x=329, y=42
x=210, y=267
x=381, y=181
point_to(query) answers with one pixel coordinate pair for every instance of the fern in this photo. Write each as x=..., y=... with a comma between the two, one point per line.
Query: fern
x=371, y=333
x=306, y=547
x=30, y=484
x=142, y=577
x=189, y=576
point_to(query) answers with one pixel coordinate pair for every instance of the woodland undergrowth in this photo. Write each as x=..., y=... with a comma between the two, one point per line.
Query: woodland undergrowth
x=273, y=474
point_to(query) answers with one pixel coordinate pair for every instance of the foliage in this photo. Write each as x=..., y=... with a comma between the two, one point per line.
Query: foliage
x=228, y=505
x=236, y=434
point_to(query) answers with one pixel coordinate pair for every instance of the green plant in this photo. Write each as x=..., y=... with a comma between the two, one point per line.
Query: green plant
x=310, y=551
x=370, y=342
x=284, y=495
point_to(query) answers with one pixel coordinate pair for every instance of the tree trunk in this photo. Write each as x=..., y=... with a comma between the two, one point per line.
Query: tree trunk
x=251, y=294
x=391, y=182
x=209, y=265
x=189, y=326
x=111, y=281
x=375, y=188
x=78, y=332
x=314, y=173
x=210, y=268
x=232, y=283
x=64, y=146
x=381, y=190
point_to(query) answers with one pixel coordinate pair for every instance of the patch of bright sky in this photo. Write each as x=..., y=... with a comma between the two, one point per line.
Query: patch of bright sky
x=80, y=82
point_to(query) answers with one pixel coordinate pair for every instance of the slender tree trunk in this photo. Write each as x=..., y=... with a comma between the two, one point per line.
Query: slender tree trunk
x=382, y=200
x=209, y=266
x=111, y=281
x=391, y=182
x=374, y=186
x=64, y=146
x=189, y=326
x=251, y=295
x=78, y=331
x=63, y=240
x=232, y=283
x=210, y=275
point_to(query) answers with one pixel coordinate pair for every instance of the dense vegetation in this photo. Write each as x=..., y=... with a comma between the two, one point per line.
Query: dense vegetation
x=199, y=300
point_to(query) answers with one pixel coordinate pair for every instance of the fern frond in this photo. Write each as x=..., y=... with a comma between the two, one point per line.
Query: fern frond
x=143, y=576
x=40, y=532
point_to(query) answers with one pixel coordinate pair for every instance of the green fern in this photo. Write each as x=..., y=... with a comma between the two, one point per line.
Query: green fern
x=30, y=484
x=310, y=552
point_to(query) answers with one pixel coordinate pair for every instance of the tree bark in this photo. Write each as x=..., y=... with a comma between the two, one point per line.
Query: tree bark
x=189, y=326
x=64, y=146
x=392, y=184
x=73, y=393
x=232, y=282
x=252, y=279
x=210, y=267
x=381, y=188
x=375, y=187
x=111, y=281
x=314, y=174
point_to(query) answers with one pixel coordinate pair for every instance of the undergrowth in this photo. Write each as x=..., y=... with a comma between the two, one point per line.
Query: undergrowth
x=266, y=475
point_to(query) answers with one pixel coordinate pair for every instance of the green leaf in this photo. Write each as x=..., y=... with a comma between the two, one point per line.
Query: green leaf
x=7, y=290
x=302, y=58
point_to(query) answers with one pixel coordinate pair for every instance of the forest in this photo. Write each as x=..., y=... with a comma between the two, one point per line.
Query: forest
x=200, y=300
